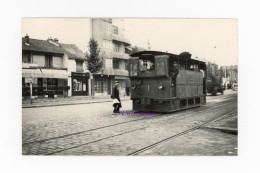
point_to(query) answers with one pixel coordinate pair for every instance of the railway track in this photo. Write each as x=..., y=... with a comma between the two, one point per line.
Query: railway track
x=221, y=97
x=178, y=134
x=183, y=113
x=125, y=132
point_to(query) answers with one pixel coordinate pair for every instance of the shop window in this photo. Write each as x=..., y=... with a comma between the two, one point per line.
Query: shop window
x=78, y=86
x=52, y=82
x=40, y=82
x=100, y=86
x=115, y=63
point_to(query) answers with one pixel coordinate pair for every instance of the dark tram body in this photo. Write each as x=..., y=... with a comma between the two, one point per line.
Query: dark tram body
x=155, y=87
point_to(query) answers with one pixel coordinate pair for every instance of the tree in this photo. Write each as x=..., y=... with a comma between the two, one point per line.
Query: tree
x=221, y=72
x=95, y=61
x=137, y=49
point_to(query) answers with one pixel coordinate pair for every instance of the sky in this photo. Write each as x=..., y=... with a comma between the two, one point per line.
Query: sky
x=215, y=40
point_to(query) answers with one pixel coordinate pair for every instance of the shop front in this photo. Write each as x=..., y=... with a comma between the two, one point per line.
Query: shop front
x=80, y=84
x=103, y=85
x=46, y=81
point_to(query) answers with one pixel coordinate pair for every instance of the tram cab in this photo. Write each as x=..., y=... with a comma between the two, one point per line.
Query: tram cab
x=164, y=82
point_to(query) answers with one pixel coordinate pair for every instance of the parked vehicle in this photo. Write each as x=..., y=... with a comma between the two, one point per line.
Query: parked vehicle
x=214, y=85
x=235, y=87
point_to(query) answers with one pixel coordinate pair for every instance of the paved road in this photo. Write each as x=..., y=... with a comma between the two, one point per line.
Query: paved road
x=92, y=129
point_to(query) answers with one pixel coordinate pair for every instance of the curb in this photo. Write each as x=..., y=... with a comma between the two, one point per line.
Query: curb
x=65, y=104
x=224, y=129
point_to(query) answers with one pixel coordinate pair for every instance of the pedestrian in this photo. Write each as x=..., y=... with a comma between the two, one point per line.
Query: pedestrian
x=115, y=96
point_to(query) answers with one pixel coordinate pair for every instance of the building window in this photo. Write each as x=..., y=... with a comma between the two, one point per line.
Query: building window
x=100, y=86
x=108, y=26
x=115, y=63
x=109, y=63
x=115, y=30
x=26, y=57
x=48, y=61
x=52, y=82
x=79, y=66
x=107, y=44
x=116, y=47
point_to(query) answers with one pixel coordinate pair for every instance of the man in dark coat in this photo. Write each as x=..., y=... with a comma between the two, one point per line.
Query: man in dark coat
x=174, y=71
x=115, y=95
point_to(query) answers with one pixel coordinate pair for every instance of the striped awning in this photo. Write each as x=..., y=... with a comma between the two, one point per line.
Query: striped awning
x=44, y=73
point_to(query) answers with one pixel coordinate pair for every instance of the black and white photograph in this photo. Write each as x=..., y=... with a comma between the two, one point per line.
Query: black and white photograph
x=129, y=86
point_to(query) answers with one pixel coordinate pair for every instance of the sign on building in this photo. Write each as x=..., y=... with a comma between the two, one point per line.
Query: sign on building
x=30, y=80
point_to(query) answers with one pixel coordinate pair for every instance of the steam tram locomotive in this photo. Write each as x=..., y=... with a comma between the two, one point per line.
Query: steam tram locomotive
x=159, y=86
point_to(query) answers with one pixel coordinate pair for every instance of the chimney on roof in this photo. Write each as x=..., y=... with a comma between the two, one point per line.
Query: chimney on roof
x=49, y=39
x=27, y=40
x=56, y=40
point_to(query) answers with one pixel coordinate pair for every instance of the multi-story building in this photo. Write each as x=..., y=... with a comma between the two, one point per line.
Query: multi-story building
x=109, y=33
x=231, y=74
x=54, y=66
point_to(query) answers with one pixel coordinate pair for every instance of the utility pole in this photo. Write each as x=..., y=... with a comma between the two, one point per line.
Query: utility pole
x=231, y=75
x=31, y=92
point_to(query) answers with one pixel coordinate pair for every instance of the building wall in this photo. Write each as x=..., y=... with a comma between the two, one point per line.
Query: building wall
x=71, y=66
x=101, y=31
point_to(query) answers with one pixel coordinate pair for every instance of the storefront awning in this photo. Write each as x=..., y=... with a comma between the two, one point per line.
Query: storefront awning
x=45, y=73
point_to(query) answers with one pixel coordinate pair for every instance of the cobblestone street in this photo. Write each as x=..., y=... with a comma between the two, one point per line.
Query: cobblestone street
x=92, y=129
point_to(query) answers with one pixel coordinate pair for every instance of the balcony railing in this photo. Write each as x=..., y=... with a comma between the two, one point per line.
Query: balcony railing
x=120, y=55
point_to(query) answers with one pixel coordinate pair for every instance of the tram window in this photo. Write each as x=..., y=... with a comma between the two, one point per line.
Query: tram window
x=203, y=73
x=195, y=67
x=146, y=65
x=182, y=66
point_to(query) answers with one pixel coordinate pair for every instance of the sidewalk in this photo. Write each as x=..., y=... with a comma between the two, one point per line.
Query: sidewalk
x=45, y=102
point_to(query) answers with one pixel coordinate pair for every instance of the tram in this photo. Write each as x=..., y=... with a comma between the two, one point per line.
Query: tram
x=165, y=82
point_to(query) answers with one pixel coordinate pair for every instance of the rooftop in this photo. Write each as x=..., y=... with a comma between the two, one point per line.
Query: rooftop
x=71, y=50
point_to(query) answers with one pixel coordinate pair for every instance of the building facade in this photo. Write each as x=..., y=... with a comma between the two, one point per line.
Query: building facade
x=231, y=74
x=56, y=67
x=109, y=33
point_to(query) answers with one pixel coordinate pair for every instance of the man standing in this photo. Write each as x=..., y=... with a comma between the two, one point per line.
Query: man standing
x=115, y=95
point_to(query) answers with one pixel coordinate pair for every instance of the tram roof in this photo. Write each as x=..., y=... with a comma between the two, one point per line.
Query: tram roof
x=151, y=52
x=155, y=53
